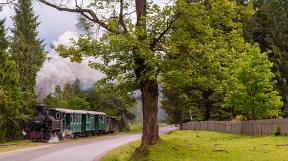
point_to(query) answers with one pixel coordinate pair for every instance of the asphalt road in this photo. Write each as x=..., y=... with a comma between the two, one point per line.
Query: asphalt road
x=86, y=150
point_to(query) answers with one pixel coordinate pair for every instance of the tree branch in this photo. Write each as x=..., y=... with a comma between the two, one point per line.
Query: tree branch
x=164, y=32
x=8, y=2
x=88, y=13
x=121, y=16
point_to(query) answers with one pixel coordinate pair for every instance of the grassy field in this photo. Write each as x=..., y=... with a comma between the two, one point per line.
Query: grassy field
x=208, y=146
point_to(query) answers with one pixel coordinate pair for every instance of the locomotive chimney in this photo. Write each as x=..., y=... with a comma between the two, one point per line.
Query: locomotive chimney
x=40, y=107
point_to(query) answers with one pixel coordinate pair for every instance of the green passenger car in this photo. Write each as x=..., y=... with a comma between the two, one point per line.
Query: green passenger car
x=78, y=121
x=74, y=122
x=88, y=123
x=101, y=122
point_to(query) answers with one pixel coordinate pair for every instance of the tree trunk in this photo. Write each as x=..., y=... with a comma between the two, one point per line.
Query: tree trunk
x=149, y=91
x=208, y=103
x=148, y=87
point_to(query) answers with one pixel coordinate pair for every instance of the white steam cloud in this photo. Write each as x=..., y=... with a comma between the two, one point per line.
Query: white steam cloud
x=60, y=71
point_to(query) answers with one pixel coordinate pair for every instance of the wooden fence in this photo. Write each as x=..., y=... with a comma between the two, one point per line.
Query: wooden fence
x=252, y=127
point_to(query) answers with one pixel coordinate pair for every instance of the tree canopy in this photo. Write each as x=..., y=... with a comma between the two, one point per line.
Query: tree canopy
x=214, y=69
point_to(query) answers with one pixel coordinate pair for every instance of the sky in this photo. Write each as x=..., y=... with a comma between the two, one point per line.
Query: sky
x=52, y=22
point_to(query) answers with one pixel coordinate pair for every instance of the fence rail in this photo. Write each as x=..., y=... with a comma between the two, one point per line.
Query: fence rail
x=252, y=127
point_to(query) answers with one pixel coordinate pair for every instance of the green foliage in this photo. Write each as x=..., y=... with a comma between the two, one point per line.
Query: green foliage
x=251, y=87
x=118, y=50
x=180, y=107
x=269, y=29
x=214, y=68
x=11, y=117
x=27, y=50
x=69, y=97
x=277, y=130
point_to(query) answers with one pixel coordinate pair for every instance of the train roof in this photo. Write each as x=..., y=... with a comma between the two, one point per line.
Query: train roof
x=79, y=111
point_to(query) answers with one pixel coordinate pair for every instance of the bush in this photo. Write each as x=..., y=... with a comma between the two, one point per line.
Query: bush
x=276, y=130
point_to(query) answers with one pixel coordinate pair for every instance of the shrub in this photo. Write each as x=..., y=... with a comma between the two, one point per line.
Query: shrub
x=276, y=130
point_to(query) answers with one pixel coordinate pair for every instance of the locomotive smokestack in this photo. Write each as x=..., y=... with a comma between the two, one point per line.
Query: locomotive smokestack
x=40, y=107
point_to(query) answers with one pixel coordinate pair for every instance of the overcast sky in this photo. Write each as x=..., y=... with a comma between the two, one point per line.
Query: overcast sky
x=52, y=22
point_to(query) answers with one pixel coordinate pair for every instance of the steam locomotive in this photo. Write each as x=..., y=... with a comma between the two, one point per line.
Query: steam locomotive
x=49, y=123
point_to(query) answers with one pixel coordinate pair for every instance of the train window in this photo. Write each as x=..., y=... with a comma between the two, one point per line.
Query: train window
x=58, y=115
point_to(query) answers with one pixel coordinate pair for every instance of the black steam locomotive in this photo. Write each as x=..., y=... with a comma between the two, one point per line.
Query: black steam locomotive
x=49, y=123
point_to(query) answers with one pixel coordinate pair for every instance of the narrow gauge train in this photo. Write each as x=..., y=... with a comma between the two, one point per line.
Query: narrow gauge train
x=65, y=123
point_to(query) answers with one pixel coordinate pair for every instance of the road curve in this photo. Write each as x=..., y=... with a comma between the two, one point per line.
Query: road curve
x=86, y=150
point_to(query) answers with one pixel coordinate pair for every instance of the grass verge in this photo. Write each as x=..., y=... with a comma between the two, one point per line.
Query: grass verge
x=19, y=144
x=207, y=146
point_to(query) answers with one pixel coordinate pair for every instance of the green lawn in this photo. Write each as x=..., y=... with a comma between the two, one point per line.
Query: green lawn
x=208, y=146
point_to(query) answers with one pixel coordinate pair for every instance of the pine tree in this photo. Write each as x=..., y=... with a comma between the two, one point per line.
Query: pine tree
x=9, y=93
x=26, y=49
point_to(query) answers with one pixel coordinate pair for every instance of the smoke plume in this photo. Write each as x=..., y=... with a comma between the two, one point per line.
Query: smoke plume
x=59, y=71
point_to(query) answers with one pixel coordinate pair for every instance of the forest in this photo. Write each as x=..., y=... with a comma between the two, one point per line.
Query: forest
x=197, y=59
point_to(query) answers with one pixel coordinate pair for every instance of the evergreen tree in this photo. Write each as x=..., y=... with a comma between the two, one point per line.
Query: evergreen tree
x=69, y=97
x=26, y=49
x=10, y=117
x=269, y=29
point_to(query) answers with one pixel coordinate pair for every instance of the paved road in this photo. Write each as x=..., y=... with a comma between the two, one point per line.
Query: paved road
x=86, y=150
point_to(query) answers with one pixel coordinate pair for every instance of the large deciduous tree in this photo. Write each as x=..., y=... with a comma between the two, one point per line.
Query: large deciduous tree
x=133, y=42
x=26, y=49
x=214, y=67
